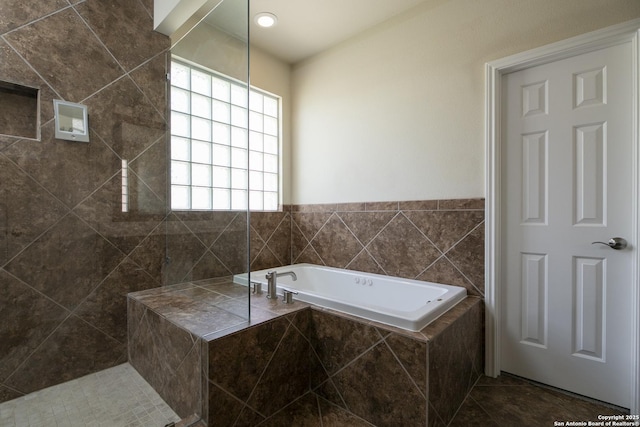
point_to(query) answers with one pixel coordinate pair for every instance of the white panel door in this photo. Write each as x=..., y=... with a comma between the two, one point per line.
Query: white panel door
x=567, y=174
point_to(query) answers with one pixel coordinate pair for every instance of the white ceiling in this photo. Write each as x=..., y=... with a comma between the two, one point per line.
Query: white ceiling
x=306, y=27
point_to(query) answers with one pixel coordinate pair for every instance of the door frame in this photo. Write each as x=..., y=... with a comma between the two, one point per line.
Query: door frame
x=495, y=70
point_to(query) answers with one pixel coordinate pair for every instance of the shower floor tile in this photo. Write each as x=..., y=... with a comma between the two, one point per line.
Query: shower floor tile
x=115, y=397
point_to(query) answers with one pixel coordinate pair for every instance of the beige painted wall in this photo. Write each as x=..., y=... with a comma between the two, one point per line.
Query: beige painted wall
x=397, y=113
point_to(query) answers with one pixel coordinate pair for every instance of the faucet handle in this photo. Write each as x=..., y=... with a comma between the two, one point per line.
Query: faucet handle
x=287, y=296
x=257, y=287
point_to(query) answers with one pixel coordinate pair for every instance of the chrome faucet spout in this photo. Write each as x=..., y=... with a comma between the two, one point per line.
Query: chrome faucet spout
x=272, y=286
x=289, y=273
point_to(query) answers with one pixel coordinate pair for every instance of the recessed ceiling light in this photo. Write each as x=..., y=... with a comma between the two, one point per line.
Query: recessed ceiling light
x=266, y=19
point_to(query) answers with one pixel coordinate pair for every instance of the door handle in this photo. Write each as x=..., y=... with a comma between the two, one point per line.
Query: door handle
x=616, y=243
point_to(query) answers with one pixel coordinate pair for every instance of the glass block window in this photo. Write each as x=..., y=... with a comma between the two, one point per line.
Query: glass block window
x=224, y=142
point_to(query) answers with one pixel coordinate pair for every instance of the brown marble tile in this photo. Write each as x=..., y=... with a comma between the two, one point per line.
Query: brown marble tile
x=224, y=409
x=382, y=206
x=151, y=77
x=472, y=415
x=365, y=262
x=203, y=319
x=474, y=340
x=231, y=246
x=7, y=141
x=207, y=226
x=285, y=371
x=350, y=207
x=27, y=319
x=335, y=244
x=298, y=242
x=326, y=388
x=443, y=272
x=7, y=394
x=130, y=128
x=468, y=257
x=265, y=259
x=75, y=349
x=366, y=225
x=27, y=210
x=126, y=230
x=124, y=26
x=534, y=406
x=151, y=252
x=166, y=300
x=412, y=355
x=159, y=350
x=452, y=370
x=184, y=250
x=234, y=329
x=432, y=330
x=182, y=389
x=309, y=256
x=144, y=356
x=376, y=388
x=280, y=241
x=148, y=5
x=275, y=307
x=401, y=250
x=249, y=418
x=320, y=207
x=58, y=47
x=135, y=313
x=334, y=416
x=106, y=307
x=445, y=228
x=256, y=244
x=67, y=262
x=172, y=342
x=237, y=361
x=203, y=295
x=15, y=13
x=433, y=419
x=224, y=287
x=477, y=204
x=266, y=223
x=69, y=170
x=150, y=167
x=418, y=205
x=337, y=341
x=310, y=223
x=303, y=412
x=301, y=320
x=207, y=267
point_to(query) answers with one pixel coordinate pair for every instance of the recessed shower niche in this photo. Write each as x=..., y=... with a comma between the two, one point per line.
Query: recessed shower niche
x=19, y=110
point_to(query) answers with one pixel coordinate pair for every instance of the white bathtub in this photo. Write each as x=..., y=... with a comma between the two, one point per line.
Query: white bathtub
x=404, y=303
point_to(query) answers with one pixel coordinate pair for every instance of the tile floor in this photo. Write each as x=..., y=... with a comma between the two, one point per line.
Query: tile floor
x=120, y=397
x=511, y=401
x=115, y=397
x=503, y=402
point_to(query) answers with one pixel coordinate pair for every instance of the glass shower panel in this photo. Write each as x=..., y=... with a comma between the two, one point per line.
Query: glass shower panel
x=207, y=227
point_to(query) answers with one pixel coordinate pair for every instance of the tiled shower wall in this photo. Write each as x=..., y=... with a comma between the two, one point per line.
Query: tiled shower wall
x=68, y=254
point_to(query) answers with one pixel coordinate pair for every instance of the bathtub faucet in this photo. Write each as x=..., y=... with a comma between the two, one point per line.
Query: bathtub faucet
x=271, y=282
